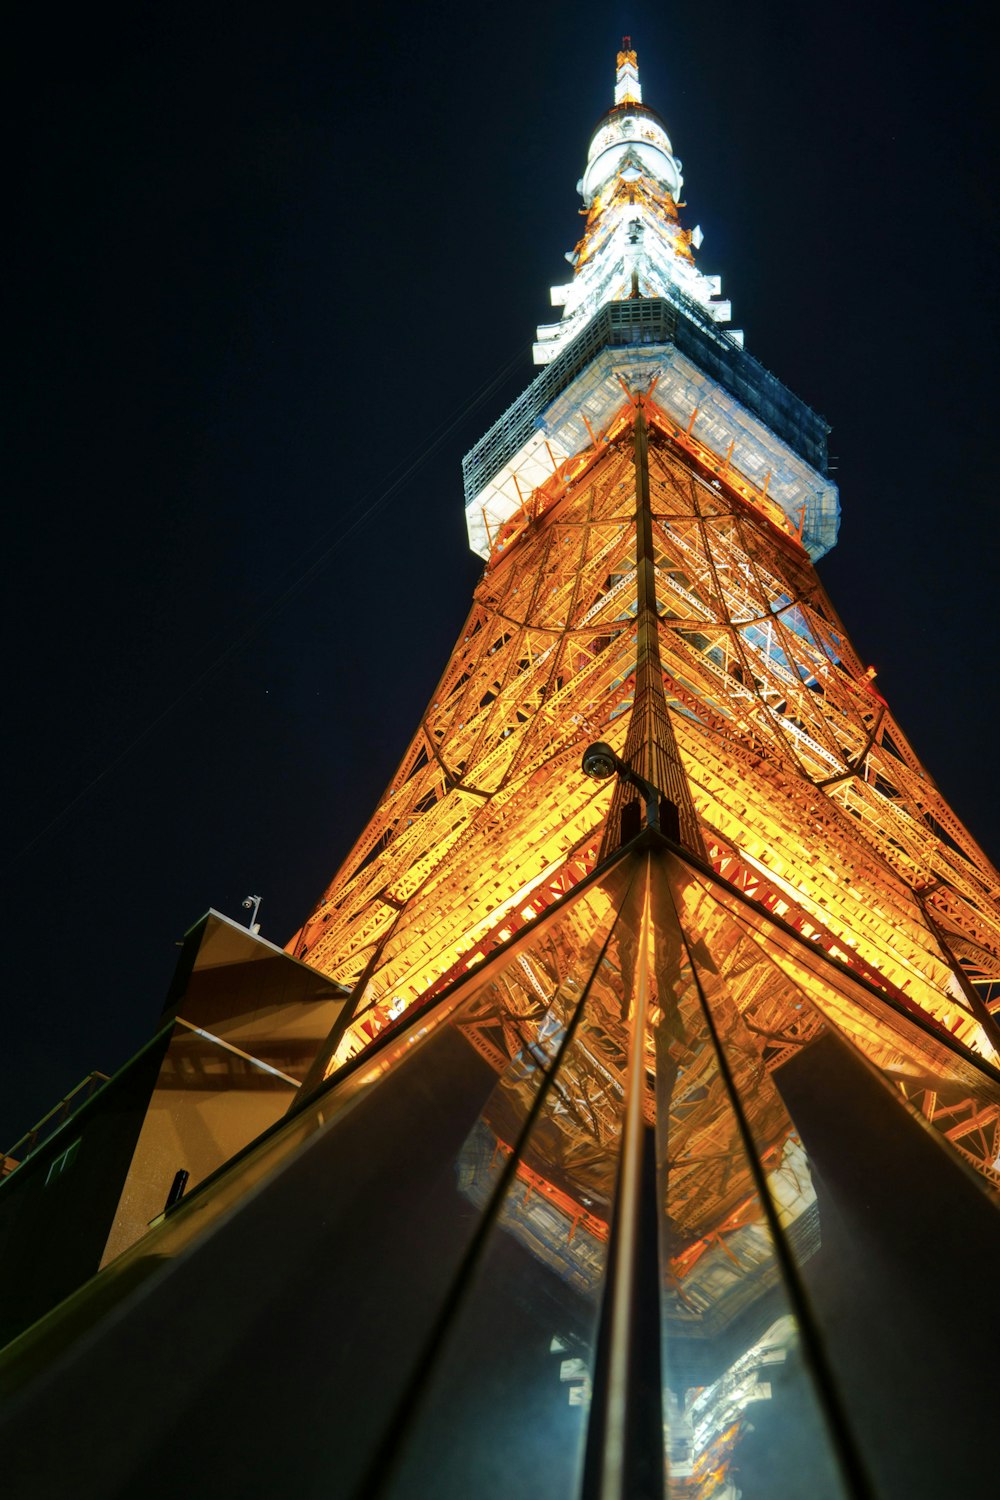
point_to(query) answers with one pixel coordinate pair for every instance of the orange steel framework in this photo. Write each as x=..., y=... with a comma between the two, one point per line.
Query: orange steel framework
x=807, y=792
x=649, y=597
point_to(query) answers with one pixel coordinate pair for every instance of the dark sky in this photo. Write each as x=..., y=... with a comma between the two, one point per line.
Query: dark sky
x=264, y=261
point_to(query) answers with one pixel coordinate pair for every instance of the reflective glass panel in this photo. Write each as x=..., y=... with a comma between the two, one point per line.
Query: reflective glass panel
x=506, y=1400
x=336, y=1250
x=892, y=1237
x=742, y=1415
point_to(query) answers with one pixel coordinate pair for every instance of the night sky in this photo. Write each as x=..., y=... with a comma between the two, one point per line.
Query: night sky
x=274, y=273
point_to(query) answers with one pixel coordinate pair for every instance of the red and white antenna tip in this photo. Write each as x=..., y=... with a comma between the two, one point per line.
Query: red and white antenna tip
x=627, y=89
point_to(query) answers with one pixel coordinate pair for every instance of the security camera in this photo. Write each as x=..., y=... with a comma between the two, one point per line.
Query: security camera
x=600, y=761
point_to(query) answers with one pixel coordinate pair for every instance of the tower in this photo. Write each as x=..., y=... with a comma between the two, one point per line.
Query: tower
x=790, y=774
x=671, y=973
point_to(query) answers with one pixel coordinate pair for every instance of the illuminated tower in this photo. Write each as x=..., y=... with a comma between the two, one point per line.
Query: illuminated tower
x=649, y=511
x=656, y=1150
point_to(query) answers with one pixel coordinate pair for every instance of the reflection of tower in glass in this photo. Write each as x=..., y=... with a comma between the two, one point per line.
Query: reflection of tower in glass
x=705, y=1427
x=661, y=1128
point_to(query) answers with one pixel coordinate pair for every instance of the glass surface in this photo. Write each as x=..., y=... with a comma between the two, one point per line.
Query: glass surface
x=350, y=1258
x=209, y=1101
x=890, y=1235
x=741, y=1408
x=496, y=1012
x=505, y=1405
x=430, y=1255
x=242, y=989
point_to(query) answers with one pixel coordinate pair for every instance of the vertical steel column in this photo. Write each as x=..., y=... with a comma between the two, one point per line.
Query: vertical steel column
x=625, y=1452
x=650, y=747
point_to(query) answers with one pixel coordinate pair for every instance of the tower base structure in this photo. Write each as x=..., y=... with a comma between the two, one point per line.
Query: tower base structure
x=627, y=1209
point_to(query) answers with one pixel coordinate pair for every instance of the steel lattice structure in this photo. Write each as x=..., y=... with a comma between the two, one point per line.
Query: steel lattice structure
x=807, y=793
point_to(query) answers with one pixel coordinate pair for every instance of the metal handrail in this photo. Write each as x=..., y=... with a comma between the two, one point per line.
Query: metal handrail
x=50, y=1122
